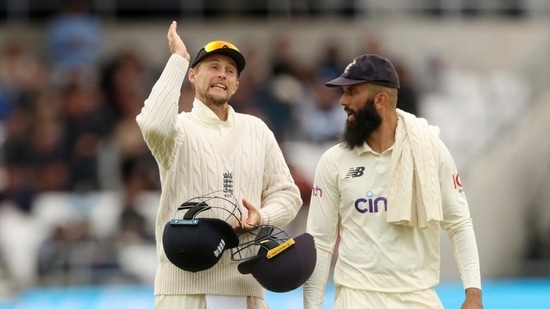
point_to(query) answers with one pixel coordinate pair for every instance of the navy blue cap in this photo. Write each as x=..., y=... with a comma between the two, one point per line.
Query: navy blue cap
x=368, y=68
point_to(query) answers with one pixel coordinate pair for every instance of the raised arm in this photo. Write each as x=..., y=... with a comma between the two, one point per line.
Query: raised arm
x=157, y=119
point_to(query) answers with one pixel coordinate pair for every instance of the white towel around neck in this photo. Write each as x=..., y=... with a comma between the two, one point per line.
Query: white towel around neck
x=414, y=194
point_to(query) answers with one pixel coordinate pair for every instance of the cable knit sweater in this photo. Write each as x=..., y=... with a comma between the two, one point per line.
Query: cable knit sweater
x=414, y=189
x=198, y=154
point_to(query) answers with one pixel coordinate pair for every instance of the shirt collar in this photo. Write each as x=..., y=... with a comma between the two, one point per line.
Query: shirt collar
x=366, y=148
x=363, y=148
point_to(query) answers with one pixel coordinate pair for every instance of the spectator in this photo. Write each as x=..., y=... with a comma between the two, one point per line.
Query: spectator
x=16, y=155
x=74, y=42
x=407, y=97
x=21, y=76
x=319, y=114
x=85, y=127
x=50, y=171
x=125, y=74
x=70, y=255
x=282, y=89
x=139, y=175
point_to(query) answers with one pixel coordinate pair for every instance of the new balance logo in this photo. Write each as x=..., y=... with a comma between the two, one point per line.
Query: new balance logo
x=355, y=172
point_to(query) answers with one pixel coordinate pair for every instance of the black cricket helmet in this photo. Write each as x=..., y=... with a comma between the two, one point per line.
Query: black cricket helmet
x=282, y=263
x=195, y=243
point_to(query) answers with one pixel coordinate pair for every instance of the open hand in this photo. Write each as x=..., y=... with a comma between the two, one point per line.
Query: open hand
x=175, y=42
x=252, y=221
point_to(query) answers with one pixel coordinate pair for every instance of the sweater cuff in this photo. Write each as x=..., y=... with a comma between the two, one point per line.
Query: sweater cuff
x=265, y=219
x=175, y=70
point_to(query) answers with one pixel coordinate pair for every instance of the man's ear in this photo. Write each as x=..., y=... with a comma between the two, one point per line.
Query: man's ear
x=191, y=75
x=236, y=87
x=381, y=98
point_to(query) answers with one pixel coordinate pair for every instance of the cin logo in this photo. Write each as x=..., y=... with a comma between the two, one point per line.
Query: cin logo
x=371, y=203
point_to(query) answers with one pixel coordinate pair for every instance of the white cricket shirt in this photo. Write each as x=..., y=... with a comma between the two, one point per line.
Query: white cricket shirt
x=351, y=186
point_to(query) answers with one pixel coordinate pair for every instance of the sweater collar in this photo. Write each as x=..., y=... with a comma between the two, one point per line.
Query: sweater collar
x=205, y=114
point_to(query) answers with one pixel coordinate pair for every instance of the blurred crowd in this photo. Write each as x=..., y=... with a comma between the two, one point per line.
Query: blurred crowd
x=67, y=115
x=67, y=124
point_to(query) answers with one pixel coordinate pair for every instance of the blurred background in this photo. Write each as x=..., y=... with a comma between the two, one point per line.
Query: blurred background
x=79, y=189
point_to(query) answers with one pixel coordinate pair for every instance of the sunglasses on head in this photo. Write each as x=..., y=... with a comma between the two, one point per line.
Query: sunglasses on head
x=218, y=45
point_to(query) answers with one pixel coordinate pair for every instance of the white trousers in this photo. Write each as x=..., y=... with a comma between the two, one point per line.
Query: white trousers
x=346, y=298
x=198, y=301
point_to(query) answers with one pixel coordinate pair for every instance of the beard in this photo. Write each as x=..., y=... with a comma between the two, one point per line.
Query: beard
x=216, y=100
x=366, y=120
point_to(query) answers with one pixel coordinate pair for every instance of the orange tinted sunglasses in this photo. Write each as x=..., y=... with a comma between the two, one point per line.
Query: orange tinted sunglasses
x=218, y=45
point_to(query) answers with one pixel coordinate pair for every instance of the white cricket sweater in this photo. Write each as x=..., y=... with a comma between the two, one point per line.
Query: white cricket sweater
x=197, y=154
